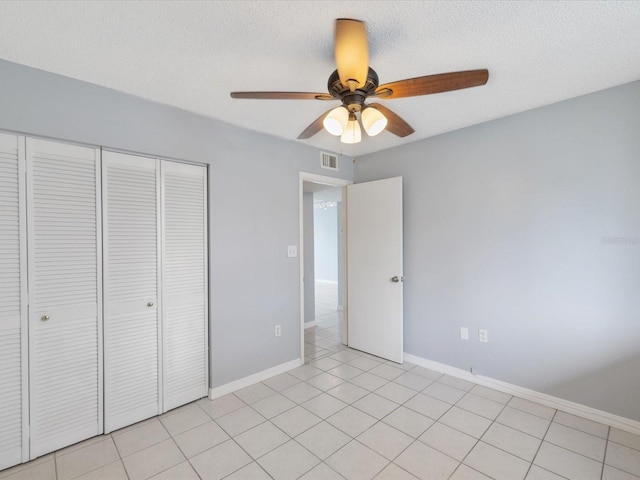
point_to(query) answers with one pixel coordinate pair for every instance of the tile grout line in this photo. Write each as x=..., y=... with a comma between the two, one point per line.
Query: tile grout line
x=604, y=457
x=461, y=462
x=124, y=467
x=107, y=436
x=233, y=438
x=187, y=459
x=541, y=443
x=274, y=448
x=572, y=451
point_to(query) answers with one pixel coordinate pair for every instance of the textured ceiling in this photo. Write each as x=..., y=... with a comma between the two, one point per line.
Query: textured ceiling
x=192, y=54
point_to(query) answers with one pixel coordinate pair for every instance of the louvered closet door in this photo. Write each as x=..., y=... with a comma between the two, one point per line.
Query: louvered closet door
x=130, y=193
x=13, y=305
x=185, y=283
x=65, y=324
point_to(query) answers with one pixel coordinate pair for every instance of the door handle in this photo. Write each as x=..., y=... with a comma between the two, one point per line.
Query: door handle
x=397, y=279
x=45, y=318
x=150, y=304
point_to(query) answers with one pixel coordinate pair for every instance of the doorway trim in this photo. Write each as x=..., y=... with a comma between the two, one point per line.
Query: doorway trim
x=334, y=182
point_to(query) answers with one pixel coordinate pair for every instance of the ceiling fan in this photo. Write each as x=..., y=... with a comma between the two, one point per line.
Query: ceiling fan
x=354, y=82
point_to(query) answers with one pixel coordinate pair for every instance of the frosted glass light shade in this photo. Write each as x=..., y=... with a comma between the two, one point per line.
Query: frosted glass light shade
x=373, y=121
x=352, y=52
x=336, y=121
x=352, y=133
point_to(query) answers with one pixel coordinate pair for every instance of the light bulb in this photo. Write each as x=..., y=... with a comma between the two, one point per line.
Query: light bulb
x=336, y=121
x=352, y=133
x=373, y=121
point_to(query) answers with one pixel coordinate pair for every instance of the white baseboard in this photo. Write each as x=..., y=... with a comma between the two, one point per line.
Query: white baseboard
x=253, y=379
x=600, y=416
x=310, y=324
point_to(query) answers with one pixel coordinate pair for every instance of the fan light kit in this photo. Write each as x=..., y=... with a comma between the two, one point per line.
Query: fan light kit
x=354, y=81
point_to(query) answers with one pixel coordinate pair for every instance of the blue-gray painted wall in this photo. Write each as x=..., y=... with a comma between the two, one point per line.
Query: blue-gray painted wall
x=529, y=227
x=325, y=227
x=309, y=263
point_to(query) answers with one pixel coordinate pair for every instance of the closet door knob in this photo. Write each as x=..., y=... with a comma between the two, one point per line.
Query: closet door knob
x=150, y=304
x=45, y=317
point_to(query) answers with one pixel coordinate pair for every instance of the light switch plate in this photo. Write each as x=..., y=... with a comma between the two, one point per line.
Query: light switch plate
x=464, y=333
x=292, y=251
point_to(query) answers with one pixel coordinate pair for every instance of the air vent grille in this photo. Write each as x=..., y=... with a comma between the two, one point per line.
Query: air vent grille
x=328, y=161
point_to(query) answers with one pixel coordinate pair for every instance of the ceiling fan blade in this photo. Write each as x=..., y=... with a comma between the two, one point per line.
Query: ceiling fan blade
x=282, y=95
x=443, y=82
x=314, y=128
x=395, y=124
x=352, y=52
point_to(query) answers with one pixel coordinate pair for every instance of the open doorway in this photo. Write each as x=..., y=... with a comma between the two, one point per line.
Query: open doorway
x=323, y=292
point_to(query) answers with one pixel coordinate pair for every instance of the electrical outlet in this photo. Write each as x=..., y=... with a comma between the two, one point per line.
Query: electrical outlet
x=464, y=333
x=278, y=331
x=292, y=251
x=483, y=336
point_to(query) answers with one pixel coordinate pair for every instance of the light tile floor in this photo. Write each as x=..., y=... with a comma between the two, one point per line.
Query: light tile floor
x=326, y=300
x=349, y=415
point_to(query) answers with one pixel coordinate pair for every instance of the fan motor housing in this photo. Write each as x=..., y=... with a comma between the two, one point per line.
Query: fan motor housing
x=353, y=101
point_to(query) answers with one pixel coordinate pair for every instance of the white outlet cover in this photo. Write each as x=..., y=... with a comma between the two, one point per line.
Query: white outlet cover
x=292, y=251
x=464, y=333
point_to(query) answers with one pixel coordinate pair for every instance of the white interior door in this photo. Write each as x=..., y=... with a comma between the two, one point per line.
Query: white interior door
x=185, y=280
x=65, y=291
x=374, y=267
x=131, y=326
x=13, y=304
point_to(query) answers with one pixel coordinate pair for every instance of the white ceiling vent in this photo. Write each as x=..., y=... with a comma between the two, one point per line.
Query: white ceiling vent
x=328, y=161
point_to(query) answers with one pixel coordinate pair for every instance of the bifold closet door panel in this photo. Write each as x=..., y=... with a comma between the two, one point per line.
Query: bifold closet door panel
x=130, y=210
x=65, y=291
x=13, y=304
x=185, y=272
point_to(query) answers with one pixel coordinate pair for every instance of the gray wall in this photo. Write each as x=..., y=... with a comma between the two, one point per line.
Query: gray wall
x=253, y=201
x=509, y=226
x=325, y=227
x=309, y=275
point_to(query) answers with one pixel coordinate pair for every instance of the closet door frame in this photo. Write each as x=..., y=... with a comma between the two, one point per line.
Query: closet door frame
x=24, y=294
x=31, y=279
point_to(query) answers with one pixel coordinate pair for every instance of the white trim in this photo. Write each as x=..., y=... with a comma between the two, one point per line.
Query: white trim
x=253, y=379
x=97, y=162
x=590, y=413
x=328, y=282
x=324, y=180
x=321, y=179
x=310, y=324
x=24, y=294
x=160, y=283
